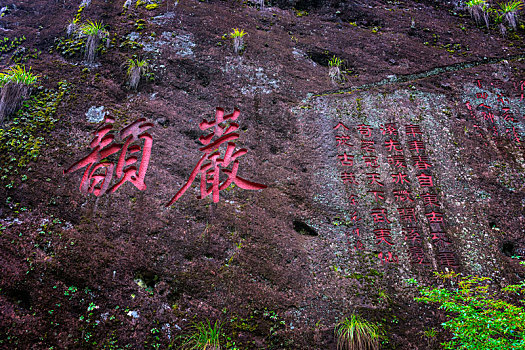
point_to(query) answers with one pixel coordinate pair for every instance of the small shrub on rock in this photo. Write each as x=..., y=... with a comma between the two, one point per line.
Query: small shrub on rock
x=16, y=83
x=509, y=12
x=238, y=41
x=479, y=9
x=95, y=32
x=357, y=333
x=135, y=70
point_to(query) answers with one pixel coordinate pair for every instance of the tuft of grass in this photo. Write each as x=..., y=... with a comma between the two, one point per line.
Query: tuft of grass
x=16, y=83
x=238, y=41
x=135, y=70
x=357, y=334
x=204, y=337
x=509, y=11
x=334, y=70
x=95, y=31
x=479, y=9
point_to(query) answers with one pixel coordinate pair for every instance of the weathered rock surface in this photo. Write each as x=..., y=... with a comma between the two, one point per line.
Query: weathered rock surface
x=413, y=164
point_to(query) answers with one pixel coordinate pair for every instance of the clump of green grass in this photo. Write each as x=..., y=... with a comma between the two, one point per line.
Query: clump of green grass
x=238, y=41
x=357, y=334
x=204, y=337
x=509, y=11
x=479, y=9
x=16, y=83
x=135, y=70
x=95, y=32
x=334, y=70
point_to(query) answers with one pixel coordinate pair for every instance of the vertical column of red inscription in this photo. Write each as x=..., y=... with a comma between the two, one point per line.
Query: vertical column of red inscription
x=402, y=194
x=433, y=213
x=491, y=116
x=508, y=119
x=349, y=178
x=375, y=187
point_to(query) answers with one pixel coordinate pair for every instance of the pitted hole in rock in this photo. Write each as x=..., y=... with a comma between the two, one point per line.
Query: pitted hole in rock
x=21, y=297
x=303, y=229
x=321, y=57
x=146, y=280
x=508, y=248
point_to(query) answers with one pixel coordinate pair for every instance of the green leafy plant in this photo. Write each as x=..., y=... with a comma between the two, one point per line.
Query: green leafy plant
x=334, y=70
x=480, y=319
x=95, y=31
x=357, y=334
x=238, y=41
x=479, y=9
x=204, y=337
x=509, y=11
x=16, y=83
x=135, y=70
x=21, y=142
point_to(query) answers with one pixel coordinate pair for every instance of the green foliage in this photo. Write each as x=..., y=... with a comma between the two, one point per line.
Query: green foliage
x=335, y=62
x=357, y=334
x=236, y=33
x=473, y=3
x=22, y=55
x=152, y=6
x=22, y=140
x=509, y=11
x=140, y=24
x=94, y=29
x=204, y=336
x=18, y=75
x=238, y=41
x=511, y=6
x=70, y=47
x=480, y=320
x=133, y=64
x=479, y=9
x=135, y=70
x=7, y=45
x=334, y=72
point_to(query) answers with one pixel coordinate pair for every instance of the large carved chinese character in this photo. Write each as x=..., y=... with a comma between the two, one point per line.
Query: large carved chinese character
x=99, y=171
x=212, y=164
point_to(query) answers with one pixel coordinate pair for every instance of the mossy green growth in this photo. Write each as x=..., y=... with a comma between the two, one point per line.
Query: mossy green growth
x=70, y=47
x=22, y=139
x=7, y=44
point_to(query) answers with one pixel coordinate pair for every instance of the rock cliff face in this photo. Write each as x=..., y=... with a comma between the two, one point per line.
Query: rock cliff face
x=299, y=200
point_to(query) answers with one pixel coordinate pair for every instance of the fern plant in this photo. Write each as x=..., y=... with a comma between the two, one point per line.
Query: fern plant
x=357, y=334
x=95, y=32
x=479, y=9
x=238, y=41
x=509, y=11
x=16, y=83
x=204, y=336
x=334, y=70
x=135, y=70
